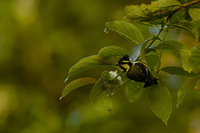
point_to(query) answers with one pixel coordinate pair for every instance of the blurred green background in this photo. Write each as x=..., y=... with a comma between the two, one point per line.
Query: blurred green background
x=39, y=41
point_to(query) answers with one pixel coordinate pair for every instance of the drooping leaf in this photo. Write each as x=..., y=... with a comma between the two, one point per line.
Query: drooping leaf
x=194, y=13
x=126, y=30
x=76, y=84
x=175, y=70
x=112, y=51
x=194, y=60
x=181, y=49
x=156, y=10
x=160, y=102
x=89, y=62
x=99, y=95
x=186, y=88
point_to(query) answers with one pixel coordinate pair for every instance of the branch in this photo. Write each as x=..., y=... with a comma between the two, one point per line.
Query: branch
x=181, y=7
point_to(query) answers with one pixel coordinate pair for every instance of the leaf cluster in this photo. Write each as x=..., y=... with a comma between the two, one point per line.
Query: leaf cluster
x=161, y=16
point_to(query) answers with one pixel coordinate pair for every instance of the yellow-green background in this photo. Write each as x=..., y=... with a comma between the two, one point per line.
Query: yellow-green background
x=39, y=41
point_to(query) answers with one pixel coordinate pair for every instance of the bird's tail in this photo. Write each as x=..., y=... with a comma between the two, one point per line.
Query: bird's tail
x=154, y=81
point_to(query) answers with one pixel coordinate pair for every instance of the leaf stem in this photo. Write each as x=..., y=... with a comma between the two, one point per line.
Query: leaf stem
x=161, y=50
x=154, y=38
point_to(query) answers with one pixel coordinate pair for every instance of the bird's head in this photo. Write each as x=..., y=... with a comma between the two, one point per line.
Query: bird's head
x=124, y=63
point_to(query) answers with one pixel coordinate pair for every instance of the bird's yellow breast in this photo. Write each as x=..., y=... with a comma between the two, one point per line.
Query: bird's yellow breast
x=126, y=66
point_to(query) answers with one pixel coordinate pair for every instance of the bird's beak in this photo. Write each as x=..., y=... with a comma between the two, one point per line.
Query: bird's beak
x=117, y=64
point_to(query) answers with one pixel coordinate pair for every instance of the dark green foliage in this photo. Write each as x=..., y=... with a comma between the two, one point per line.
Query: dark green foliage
x=162, y=16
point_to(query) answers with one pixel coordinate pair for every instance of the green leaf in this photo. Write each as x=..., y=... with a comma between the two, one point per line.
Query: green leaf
x=112, y=51
x=160, y=102
x=126, y=30
x=183, y=1
x=186, y=88
x=194, y=60
x=136, y=51
x=194, y=13
x=196, y=23
x=143, y=50
x=175, y=70
x=76, y=84
x=182, y=50
x=152, y=60
x=154, y=30
x=133, y=90
x=89, y=62
x=99, y=95
x=189, y=26
x=156, y=10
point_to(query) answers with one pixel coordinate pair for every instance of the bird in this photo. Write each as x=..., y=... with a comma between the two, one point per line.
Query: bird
x=137, y=71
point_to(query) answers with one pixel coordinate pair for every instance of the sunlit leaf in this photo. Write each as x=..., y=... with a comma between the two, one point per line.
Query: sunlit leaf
x=160, y=102
x=112, y=51
x=156, y=10
x=194, y=13
x=186, y=88
x=194, y=60
x=126, y=30
x=99, y=95
x=175, y=70
x=76, y=84
x=89, y=62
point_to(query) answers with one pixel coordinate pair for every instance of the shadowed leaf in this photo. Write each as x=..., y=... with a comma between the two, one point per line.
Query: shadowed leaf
x=152, y=60
x=186, y=88
x=175, y=70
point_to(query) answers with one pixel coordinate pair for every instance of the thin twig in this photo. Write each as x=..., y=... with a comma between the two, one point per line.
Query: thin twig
x=181, y=7
x=161, y=50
